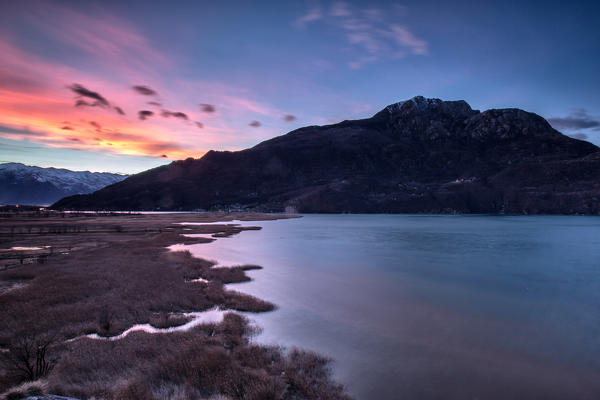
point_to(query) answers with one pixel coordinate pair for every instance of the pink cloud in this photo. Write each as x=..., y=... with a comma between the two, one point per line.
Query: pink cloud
x=340, y=9
x=35, y=95
x=374, y=14
x=110, y=41
x=371, y=30
x=43, y=103
x=314, y=14
x=246, y=104
x=406, y=38
x=365, y=40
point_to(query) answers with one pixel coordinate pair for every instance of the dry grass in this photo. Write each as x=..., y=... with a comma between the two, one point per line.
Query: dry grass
x=118, y=273
x=33, y=388
x=208, y=361
x=110, y=287
x=164, y=320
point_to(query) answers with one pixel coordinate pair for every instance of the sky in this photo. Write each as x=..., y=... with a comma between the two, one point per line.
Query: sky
x=126, y=86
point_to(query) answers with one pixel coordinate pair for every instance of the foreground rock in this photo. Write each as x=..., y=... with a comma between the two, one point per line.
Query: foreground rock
x=421, y=155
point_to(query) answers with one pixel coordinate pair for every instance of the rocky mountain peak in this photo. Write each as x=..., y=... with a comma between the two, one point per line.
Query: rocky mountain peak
x=428, y=106
x=427, y=118
x=509, y=123
x=419, y=155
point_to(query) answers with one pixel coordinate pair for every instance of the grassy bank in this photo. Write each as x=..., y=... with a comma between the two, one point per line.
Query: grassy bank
x=108, y=273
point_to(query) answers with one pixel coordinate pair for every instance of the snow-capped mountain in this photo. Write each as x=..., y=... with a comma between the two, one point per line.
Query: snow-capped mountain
x=24, y=184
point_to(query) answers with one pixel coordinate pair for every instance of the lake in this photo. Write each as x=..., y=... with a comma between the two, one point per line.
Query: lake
x=428, y=306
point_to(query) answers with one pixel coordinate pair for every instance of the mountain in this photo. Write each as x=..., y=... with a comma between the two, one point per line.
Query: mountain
x=417, y=156
x=24, y=184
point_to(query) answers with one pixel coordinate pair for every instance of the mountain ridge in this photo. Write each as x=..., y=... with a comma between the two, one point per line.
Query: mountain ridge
x=32, y=185
x=420, y=155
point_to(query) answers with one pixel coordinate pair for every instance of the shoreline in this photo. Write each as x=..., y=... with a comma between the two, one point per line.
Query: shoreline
x=114, y=276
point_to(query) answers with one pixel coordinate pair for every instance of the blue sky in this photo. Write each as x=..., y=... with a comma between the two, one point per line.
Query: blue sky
x=270, y=67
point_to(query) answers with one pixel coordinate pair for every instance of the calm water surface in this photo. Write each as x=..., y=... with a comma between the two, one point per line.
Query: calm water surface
x=421, y=307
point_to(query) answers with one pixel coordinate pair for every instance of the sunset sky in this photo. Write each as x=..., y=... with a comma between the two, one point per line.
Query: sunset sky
x=126, y=86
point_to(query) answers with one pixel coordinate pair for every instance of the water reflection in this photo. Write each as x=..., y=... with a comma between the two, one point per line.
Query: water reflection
x=433, y=306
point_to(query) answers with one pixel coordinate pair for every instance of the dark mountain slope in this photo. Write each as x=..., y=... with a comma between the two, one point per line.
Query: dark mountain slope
x=421, y=155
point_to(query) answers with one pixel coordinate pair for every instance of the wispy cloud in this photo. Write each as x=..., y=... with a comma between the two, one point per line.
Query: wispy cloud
x=176, y=114
x=250, y=105
x=313, y=14
x=42, y=99
x=404, y=37
x=144, y=114
x=340, y=9
x=103, y=139
x=81, y=91
x=123, y=81
x=208, y=108
x=374, y=34
x=144, y=90
x=576, y=120
x=83, y=96
x=110, y=40
x=579, y=135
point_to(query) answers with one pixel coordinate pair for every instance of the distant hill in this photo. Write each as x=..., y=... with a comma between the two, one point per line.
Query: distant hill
x=24, y=184
x=416, y=156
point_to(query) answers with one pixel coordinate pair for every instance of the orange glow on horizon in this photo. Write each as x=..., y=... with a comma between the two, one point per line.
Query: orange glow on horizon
x=40, y=104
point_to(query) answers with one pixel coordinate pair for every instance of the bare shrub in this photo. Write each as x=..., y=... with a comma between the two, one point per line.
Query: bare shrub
x=28, y=357
x=15, y=395
x=253, y=356
x=34, y=391
x=308, y=375
x=235, y=330
x=105, y=322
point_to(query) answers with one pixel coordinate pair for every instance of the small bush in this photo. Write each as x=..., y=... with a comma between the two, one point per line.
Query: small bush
x=34, y=391
x=136, y=390
x=28, y=356
x=15, y=396
x=165, y=320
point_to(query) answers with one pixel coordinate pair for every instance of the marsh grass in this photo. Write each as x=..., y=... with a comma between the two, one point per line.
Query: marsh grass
x=209, y=360
x=106, y=290
x=115, y=278
x=26, y=389
x=165, y=320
